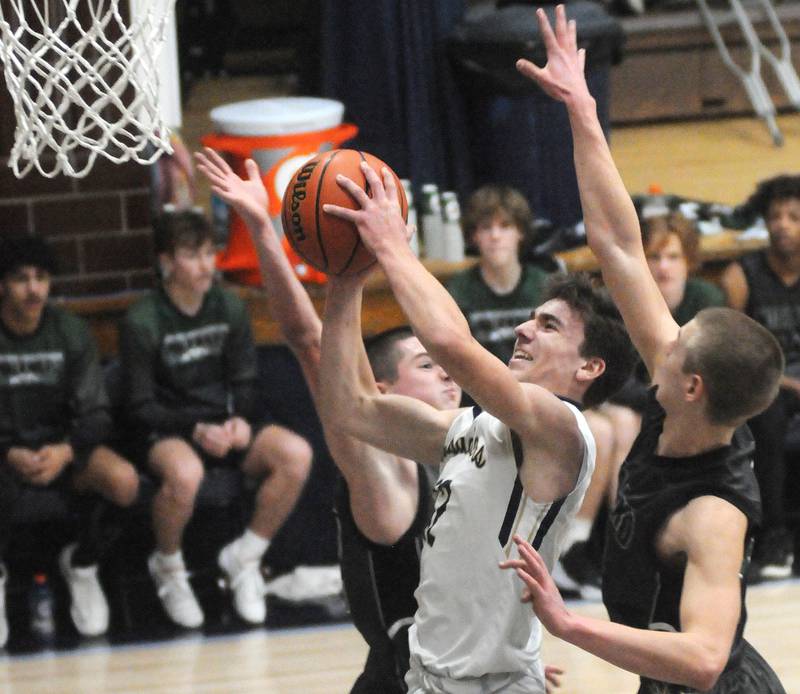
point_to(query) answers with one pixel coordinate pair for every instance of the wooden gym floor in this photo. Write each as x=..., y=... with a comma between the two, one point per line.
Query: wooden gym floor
x=326, y=660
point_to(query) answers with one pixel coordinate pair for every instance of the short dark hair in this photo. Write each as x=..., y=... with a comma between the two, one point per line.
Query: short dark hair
x=183, y=228
x=491, y=200
x=20, y=251
x=740, y=362
x=783, y=187
x=604, y=333
x=383, y=354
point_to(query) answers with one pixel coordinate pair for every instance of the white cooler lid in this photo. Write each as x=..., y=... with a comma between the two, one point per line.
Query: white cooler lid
x=284, y=115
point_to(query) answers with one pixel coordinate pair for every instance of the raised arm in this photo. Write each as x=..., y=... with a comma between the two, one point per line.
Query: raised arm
x=381, y=503
x=612, y=227
x=441, y=327
x=349, y=399
x=289, y=302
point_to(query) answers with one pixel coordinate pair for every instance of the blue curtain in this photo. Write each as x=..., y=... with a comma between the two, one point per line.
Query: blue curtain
x=524, y=140
x=435, y=94
x=386, y=61
x=518, y=135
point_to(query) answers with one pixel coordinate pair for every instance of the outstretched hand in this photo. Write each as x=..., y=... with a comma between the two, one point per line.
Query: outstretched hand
x=379, y=220
x=540, y=589
x=562, y=77
x=247, y=196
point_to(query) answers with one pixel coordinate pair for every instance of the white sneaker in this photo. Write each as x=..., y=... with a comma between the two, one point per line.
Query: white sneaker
x=571, y=587
x=176, y=594
x=247, y=584
x=89, y=609
x=307, y=584
x=3, y=618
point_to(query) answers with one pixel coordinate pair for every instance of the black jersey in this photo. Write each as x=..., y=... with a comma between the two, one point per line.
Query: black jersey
x=773, y=304
x=379, y=582
x=638, y=589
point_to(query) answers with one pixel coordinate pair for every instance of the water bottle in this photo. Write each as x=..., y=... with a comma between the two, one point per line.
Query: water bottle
x=432, y=232
x=412, y=215
x=40, y=601
x=453, y=238
x=656, y=203
x=220, y=220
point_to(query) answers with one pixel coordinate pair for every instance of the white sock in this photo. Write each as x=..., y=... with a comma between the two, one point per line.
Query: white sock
x=251, y=545
x=577, y=531
x=170, y=562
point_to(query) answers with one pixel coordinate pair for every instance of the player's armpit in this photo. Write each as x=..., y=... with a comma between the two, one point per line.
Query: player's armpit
x=553, y=447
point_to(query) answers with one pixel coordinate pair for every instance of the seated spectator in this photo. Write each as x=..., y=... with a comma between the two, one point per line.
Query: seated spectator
x=499, y=292
x=189, y=377
x=766, y=286
x=672, y=248
x=54, y=418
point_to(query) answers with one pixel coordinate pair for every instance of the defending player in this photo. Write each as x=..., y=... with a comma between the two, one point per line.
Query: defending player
x=679, y=535
x=385, y=502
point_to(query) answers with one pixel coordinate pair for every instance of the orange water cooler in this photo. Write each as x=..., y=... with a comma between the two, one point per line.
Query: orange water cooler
x=280, y=134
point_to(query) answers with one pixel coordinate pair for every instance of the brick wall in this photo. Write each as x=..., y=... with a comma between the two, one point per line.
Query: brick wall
x=97, y=226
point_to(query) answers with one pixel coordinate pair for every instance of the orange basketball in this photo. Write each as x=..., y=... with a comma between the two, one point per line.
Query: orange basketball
x=325, y=242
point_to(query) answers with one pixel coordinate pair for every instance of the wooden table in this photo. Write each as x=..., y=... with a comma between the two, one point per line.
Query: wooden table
x=380, y=309
x=722, y=247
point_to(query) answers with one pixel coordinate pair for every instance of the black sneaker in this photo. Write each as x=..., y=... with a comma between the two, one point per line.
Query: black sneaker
x=773, y=556
x=576, y=575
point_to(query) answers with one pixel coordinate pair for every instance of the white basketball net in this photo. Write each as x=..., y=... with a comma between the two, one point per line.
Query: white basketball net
x=84, y=82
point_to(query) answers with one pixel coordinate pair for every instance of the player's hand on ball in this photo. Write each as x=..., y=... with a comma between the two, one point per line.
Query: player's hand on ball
x=379, y=219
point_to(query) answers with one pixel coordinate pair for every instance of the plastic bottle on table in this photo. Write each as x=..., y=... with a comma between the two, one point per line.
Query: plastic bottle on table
x=220, y=220
x=453, y=238
x=656, y=203
x=40, y=601
x=432, y=223
x=412, y=215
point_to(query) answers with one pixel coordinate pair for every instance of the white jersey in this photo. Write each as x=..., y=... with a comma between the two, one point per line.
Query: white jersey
x=470, y=621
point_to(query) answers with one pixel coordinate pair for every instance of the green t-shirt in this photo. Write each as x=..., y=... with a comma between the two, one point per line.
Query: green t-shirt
x=492, y=317
x=51, y=386
x=178, y=370
x=698, y=295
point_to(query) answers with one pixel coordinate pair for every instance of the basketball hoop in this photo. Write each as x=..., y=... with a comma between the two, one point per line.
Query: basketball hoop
x=84, y=82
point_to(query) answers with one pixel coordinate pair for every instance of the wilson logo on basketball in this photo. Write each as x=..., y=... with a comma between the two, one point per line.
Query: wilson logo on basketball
x=298, y=195
x=322, y=240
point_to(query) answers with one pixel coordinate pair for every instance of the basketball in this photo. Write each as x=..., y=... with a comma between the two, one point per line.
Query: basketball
x=325, y=242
